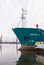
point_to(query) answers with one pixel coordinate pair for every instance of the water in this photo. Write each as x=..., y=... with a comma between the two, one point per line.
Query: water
x=9, y=55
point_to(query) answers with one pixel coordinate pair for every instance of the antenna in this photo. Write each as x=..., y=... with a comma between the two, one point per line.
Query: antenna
x=23, y=16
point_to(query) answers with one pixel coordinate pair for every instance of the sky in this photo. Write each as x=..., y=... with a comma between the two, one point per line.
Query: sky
x=10, y=13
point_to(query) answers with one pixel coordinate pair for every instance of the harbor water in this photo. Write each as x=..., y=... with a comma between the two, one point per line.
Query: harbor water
x=9, y=55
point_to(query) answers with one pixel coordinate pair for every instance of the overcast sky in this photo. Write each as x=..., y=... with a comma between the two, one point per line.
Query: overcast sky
x=10, y=13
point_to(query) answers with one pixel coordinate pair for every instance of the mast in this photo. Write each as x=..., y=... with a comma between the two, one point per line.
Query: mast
x=23, y=17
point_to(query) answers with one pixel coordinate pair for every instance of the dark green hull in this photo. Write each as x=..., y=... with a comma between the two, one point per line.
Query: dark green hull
x=29, y=36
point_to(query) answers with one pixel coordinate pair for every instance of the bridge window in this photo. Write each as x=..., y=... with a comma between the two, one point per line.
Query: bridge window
x=26, y=38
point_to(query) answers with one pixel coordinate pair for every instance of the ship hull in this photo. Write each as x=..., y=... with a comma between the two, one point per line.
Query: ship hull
x=29, y=36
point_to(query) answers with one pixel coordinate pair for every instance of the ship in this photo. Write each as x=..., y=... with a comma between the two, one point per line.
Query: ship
x=28, y=36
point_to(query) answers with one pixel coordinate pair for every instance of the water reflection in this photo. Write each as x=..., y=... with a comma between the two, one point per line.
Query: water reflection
x=40, y=58
x=0, y=49
x=28, y=58
x=9, y=55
